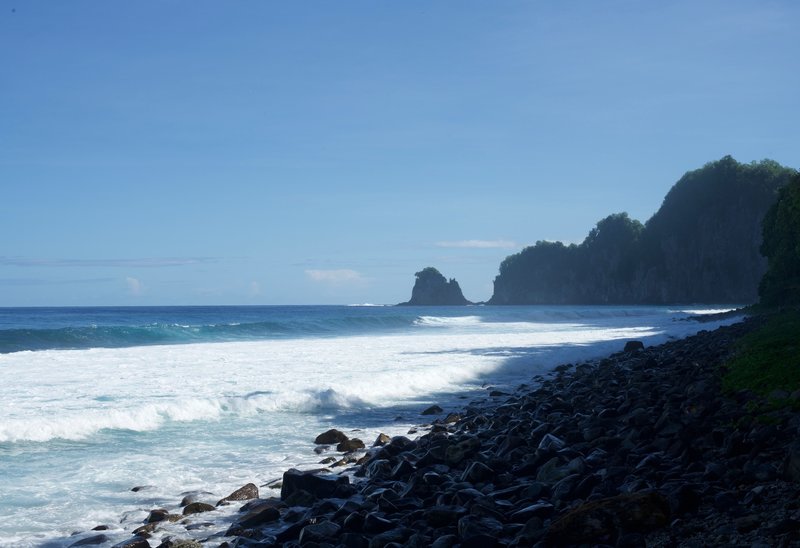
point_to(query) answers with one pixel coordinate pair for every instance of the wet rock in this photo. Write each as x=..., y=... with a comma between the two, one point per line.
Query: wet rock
x=432, y=410
x=259, y=516
x=633, y=346
x=157, y=515
x=133, y=542
x=317, y=485
x=196, y=508
x=381, y=440
x=245, y=492
x=91, y=541
x=350, y=445
x=330, y=437
x=142, y=488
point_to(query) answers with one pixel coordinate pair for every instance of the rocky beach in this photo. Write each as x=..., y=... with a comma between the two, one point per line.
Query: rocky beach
x=641, y=448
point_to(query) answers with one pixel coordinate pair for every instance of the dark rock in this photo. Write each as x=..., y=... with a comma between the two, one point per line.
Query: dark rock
x=100, y=528
x=373, y=523
x=381, y=440
x=350, y=445
x=317, y=485
x=791, y=464
x=603, y=519
x=246, y=492
x=470, y=527
x=90, y=541
x=445, y=541
x=319, y=532
x=300, y=497
x=142, y=488
x=196, y=508
x=330, y=437
x=133, y=542
x=633, y=346
x=157, y=515
x=441, y=516
x=432, y=410
x=539, y=509
x=259, y=516
x=390, y=539
x=477, y=472
x=433, y=289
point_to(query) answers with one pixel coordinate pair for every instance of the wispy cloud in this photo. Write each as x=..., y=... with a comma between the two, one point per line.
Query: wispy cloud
x=254, y=290
x=335, y=276
x=145, y=262
x=41, y=281
x=135, y=286
x=479, y=244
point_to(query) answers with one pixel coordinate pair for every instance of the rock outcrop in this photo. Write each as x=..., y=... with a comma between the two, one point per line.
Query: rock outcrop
x=433, y=289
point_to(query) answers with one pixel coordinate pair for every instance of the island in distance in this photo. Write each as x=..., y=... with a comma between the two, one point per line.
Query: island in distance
x=431, y=288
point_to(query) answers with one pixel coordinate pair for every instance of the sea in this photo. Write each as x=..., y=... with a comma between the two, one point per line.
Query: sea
x=95, y=402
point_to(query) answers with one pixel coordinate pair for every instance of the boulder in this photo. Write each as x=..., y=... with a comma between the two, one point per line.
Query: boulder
x=633, y=346
x=330, y=437
x=318, y=485
x=133, y=542
x=90, y=541
x=381, y=440
x=605, y=519
x=432, y=410
x=259, y=516
x=350, y=445
x=246, y=492
x=196, y=508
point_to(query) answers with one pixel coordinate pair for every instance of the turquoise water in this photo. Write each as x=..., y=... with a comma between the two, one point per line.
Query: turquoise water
x=95, y=401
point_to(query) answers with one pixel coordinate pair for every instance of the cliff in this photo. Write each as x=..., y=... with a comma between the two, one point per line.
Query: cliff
x=701, y=246
x=433, y=289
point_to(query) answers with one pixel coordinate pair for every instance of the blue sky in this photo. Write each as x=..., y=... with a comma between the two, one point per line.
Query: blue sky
x=194, y=152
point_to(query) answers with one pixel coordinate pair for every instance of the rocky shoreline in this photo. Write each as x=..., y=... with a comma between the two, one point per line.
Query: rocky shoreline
x=637, y=449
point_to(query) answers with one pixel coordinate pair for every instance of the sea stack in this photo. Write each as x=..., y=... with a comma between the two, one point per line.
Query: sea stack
x=433, y=289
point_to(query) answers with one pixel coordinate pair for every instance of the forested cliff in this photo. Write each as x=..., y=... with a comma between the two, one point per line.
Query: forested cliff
x=701, y=246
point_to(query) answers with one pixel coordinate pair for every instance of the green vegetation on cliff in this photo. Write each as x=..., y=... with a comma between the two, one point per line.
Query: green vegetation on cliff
x=768, y=358
x=781, y=283
x=702, y=245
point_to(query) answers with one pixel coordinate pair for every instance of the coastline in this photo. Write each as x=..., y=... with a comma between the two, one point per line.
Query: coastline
x=644, y=440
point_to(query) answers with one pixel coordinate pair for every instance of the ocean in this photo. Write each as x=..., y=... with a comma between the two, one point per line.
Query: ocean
x=97, y=401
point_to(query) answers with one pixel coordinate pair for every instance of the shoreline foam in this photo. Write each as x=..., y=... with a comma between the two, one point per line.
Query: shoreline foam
x=692, y=498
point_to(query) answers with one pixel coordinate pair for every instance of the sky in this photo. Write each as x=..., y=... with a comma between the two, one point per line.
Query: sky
x=203, y=153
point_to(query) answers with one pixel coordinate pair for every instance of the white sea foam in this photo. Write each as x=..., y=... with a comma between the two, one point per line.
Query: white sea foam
x=79, y=428
x=439, y=321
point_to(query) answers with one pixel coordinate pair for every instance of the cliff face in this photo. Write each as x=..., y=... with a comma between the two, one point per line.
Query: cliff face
x=701, y=246
x=433, y=289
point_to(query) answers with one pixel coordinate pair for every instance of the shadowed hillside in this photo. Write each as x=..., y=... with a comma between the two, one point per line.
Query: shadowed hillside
x=701, y=246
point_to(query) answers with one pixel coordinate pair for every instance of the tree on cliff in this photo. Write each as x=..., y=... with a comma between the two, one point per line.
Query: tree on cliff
x=781, y=246
x=431, y=288
x=702, y=245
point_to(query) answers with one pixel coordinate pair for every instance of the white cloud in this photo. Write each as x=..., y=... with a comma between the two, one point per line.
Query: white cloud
x=254, y=289
x=135, y=287
x=479, y=244
x=146, y=262
x=335, y=276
